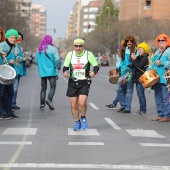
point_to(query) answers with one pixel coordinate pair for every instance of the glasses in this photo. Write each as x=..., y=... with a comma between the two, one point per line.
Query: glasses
x=80, y=46
x=161, y=40
x=129, y=40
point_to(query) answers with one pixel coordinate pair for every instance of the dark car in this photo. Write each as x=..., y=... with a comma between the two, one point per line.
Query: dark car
x=104, y=63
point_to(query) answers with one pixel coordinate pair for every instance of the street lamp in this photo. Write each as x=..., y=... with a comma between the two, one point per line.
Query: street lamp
x=108, y=15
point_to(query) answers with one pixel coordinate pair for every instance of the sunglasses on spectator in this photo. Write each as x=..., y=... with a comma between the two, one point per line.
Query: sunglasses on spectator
x=129, y=40
x=161, y=40
x=78, y=46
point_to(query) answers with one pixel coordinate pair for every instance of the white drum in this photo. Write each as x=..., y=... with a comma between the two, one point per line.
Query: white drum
x=7, y=74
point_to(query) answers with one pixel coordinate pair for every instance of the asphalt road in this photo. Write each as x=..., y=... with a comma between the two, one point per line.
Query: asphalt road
x=45, y=140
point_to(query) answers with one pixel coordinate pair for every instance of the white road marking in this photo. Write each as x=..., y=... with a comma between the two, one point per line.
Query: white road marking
x=93, y=106
x=20, y=131
x=86, y=143
x=112, y=123
x=145, y=133
x=155, y=144
x=15, y=143
x=103, y=76
x=87, y=132
x=86, y=166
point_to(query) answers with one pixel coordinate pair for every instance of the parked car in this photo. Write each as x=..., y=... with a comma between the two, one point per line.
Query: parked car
x=104, y=62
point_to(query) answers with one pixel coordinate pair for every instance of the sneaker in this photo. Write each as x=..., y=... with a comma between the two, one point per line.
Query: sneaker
x=42, y=107
x=16, y=107
x=126, y=111
x=13, y=116
x=77, y=126
x=121, y=109
x=143, y=113
x=7, y=117
x=137, y=113
x=50, y=104
x=84, y=124
x=111, y=106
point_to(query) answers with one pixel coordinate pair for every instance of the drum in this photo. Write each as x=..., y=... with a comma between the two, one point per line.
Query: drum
x=149, y=78
x=7, y=74
x=167, y=77
x=113, y=76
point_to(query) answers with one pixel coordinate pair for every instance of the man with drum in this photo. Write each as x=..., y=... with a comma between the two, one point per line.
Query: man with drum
x=78, y=62
x=7, y=51
x=159, y=59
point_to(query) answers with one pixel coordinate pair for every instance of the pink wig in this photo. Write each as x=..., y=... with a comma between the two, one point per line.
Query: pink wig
x=47, y=40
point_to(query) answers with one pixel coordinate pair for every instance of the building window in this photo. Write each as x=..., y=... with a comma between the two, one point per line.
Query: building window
x=148, y=3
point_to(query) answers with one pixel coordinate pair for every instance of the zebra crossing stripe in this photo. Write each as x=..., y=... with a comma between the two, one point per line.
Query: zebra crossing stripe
x=15, y=143
x=84, y=166
x=86, y=143
x=155, y=144
x=93, y=106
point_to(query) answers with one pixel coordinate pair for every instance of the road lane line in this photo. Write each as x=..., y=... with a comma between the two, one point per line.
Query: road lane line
x=93, y=106
x=155, y=144
x=86, y=143
x=87, y=132
x=86, y=166
x=145, y=133
x=112, y=124
x=25, y=137
x=15, y=143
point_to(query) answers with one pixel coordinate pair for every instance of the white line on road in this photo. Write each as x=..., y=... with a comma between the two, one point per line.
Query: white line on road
x=86, y=143
x=87, y=132
x=86, y=166
x=20, y=131
x=155, y=144
x=93, y=106
x=112, y=123
x=15, y=143
x=145, y=133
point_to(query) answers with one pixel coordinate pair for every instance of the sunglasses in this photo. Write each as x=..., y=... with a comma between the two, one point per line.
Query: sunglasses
x=161, y=40
x=78, y=46
x=128, y=41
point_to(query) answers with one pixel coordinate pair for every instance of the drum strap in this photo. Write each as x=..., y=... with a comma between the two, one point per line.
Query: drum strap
x=48, y=57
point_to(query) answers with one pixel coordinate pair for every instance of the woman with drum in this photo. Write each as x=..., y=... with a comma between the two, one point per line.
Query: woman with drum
x=140, y=64
x=7, y=56
x=161, y=91
x=125, y=90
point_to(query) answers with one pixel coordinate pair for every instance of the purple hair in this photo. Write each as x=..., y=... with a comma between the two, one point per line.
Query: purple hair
x=47, y=40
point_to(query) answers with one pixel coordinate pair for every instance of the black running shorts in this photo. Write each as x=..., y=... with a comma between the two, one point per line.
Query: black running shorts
x=74, y=91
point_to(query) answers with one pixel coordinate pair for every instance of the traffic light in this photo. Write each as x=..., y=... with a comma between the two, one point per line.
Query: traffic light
x=89, y=25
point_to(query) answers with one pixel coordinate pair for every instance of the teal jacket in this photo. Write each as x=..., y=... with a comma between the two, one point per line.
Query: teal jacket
x=48, y=66
x=161, y=68
x=126, y=62
x=4, y=47
x=21, y=67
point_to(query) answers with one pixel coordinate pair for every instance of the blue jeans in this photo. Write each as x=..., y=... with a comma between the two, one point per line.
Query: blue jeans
x=116, y=100
x=141, y=95
x=6, y=95
x=52, y=80
x=161, y=100
x=15, y=84
x=125, y=95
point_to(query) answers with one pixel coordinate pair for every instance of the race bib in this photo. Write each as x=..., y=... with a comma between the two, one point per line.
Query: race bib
x=79, y=74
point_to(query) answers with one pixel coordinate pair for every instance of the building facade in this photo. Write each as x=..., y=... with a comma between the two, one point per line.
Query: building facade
x=38, y=20
x=153, y=9
x=24, y=7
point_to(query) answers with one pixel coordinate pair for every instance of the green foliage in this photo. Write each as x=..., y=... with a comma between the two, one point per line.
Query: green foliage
x=107, y=14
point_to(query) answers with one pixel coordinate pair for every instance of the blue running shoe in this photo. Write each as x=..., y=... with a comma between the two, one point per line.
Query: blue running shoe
x=77, y=126
x=84, y=124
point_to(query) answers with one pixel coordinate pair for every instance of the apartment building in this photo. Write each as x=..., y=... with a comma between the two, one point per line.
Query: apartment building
x=154, y=9
x=38, y=20
x=88, y=17
x=24, y=7
x=83, y=16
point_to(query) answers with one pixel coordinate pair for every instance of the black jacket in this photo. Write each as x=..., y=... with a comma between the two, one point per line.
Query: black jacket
x=140, y=63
